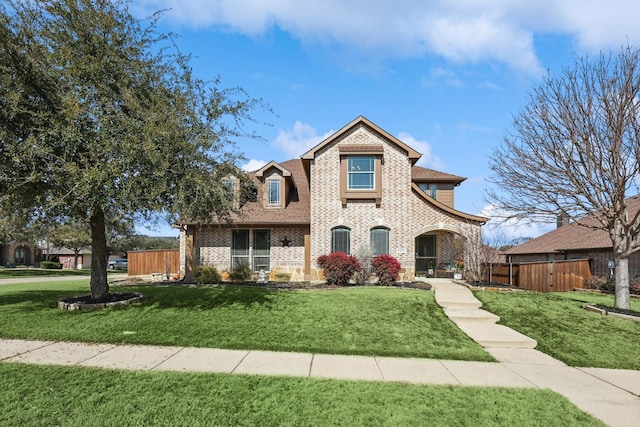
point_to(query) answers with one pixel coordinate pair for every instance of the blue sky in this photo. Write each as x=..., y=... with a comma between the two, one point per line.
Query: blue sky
x=446, y=77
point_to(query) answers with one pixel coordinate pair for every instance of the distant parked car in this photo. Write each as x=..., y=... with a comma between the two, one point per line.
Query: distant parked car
x=119, y=264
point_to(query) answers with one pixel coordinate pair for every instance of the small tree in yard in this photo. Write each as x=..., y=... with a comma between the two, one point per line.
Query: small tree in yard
x=387, y=268
x=100, y=118
x=575, y=152
x=338, y=268
x=365, y=258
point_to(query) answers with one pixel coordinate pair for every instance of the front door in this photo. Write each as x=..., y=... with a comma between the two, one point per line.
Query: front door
x=426, y=254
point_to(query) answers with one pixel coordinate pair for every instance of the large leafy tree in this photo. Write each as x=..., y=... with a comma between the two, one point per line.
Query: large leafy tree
x=575, y=152
x=102, y=118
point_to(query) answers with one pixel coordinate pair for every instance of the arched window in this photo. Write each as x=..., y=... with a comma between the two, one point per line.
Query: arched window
x=20, y=256
x=379, y=239
x=341, y=240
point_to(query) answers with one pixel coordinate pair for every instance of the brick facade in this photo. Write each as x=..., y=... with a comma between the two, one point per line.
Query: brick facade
x=403, y=212
x=316, y=199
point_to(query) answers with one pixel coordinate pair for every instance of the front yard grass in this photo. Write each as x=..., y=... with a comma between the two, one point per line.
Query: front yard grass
x=8, y=273
x=362, y=321
x=566, y=331
x=51, y=395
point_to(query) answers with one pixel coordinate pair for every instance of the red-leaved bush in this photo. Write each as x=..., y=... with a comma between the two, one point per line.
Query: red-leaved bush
x=387, y=268
x=338, y=267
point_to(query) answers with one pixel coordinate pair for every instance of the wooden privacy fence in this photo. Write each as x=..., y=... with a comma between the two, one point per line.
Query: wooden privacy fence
x=155, y=261
x=551, y=276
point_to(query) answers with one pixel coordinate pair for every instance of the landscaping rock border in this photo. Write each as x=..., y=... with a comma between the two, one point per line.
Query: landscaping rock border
x=86, y=303
x=608, y=311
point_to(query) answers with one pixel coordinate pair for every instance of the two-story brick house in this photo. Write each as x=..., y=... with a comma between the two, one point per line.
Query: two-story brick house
x=358, y=188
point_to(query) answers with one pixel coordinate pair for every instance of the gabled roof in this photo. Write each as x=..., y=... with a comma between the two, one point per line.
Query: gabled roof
x=446, y=208
x=272, y=164
x=421, y=174
x=362, y=121
x=572, y=237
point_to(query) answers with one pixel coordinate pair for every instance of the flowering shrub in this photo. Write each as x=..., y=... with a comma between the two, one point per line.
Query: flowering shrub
x=387, y=268
x=634, y=286
x=338, y=267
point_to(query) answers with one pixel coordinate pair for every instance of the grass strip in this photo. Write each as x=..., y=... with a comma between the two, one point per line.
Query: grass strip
x=568, y=332
x=360, y=321
x=51, y=395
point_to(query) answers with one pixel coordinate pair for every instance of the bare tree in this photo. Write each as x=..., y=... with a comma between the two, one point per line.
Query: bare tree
x=575, y=151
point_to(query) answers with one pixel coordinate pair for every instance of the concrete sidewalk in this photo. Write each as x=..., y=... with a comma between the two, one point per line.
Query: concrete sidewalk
x=610, y=395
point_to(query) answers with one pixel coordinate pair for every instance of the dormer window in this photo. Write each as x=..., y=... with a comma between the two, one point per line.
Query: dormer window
x=361, y=170
x=274, y=191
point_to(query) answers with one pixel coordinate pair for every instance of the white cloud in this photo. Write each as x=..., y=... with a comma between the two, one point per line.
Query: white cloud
x=299, y=139
x=458, y=30
x=506, y=231
x=428, y=159
x=253, y=164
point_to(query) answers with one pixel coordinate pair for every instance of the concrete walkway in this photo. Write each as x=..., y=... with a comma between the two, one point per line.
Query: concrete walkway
x=610, y=395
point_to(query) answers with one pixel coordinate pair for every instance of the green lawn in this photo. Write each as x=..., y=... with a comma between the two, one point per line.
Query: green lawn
x=48, y=395
x=7, y=273
x=362, y=320
x=566, y=331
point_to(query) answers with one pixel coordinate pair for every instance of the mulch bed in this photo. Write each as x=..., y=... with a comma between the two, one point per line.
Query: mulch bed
x=273, y=285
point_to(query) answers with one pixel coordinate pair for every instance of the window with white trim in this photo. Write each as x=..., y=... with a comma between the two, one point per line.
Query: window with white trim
x=361, y=172
x=274, y=191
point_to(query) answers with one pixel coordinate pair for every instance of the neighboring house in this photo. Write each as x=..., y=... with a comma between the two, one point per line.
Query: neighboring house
x=66, y=257
x=20, y=253
x=576, y=241
x=359, y=188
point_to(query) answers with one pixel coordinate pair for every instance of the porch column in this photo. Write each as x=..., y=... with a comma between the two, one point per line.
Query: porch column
x=189, y=253
x=307, y=257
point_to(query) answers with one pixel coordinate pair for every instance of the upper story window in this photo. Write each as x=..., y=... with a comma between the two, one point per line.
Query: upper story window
x=429, y=189
x=361, y=171
x=273, y=191
x=341, y=240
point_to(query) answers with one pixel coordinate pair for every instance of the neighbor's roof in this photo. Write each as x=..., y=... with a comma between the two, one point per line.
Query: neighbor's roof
x=572, y=237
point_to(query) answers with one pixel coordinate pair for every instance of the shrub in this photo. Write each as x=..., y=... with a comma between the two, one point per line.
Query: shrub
x=282, y=277
x=364, y=256
x=206, y=274
x=600, y=283
x=241, y=273
x=634, y=286
x=387, y=268
x=338, y=267
x=51, y=265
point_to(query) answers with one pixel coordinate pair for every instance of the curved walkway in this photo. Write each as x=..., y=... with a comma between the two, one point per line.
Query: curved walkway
x=608, y=394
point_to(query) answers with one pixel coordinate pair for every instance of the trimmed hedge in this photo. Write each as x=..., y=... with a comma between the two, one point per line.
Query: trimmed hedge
x=50, y=265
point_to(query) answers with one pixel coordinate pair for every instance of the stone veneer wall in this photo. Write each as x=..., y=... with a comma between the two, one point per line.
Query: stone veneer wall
x=403, y=212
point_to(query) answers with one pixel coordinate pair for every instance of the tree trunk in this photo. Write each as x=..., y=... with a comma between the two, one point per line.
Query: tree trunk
x=75, y=259
x=622, y=282
x=99, y=284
